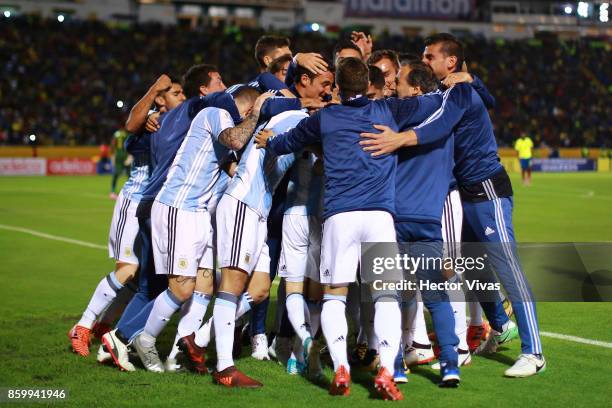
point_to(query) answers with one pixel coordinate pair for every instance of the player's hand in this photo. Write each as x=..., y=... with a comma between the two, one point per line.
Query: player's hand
x=457, y=77
x=261, y=138
x=312, y=103
x=152, y=124
x=312, y=61
x=387, y=141
x=364, y=42
x=162, y=84
x=261, y=99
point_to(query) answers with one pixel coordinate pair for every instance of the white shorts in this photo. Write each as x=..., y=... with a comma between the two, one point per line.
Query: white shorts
x=343, y=235
x=123, y=231
x=180, y=240
x=241, y=237
x=452, y=222
x=300, y=248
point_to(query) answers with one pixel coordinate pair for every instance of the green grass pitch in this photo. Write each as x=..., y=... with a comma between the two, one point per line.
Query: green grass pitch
x=45, y=285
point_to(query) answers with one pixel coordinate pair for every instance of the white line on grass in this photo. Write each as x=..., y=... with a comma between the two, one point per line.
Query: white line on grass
x=52, y=237
x=566, y=337
x=576, y=339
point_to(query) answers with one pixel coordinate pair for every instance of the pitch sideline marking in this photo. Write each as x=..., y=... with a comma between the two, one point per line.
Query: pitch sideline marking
x=576, y=339
x=558, y=336
x=52, y=237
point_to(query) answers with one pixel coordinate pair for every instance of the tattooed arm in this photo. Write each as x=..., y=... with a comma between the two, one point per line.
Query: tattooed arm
x=235, y=138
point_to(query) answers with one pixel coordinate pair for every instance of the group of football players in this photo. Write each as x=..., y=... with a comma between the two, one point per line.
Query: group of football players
x=291, y=173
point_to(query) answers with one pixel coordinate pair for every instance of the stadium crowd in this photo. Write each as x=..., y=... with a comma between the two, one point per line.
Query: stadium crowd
x=63, y=81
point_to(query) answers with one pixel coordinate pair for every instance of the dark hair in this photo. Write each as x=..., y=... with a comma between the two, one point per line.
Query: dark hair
x=451, y=46
x=268, y=43
x=389, y=54
x=246, y=94
x=195, y=77
x=277, y=65
x=345, y=44
x=299, y=71
x=376, y=77
x=422, y=75
x=352, y=77
x=407, y=58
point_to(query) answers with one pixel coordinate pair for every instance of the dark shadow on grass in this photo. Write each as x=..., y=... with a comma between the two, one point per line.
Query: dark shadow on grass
x=365, y=379
x=426, y=372
x=501, y=358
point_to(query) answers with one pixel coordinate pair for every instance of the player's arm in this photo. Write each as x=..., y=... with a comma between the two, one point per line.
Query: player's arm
x=477, y=84
x=307, y=132
x=438, y=126
x=269, y=82
x=138, y=114
x=236, y=137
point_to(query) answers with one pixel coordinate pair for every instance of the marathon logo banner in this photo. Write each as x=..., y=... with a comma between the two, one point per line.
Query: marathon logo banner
x=563, y=165
x=423, y=9
x=489, y=272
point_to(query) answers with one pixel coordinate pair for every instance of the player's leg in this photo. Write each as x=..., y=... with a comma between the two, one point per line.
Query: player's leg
x=504, y=259
x=418, y=347
x=452, y=221
x=293, y=264
x=179, y=242
x=340, y=248
x=379, y=227
x=241, y=235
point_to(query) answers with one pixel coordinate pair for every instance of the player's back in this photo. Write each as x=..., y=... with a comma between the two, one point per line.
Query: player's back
x=195, y=172
x=259, y=172
x=354, y=180
x=476, y=157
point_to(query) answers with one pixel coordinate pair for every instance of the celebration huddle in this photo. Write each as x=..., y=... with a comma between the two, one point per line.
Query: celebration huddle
x=275, y=185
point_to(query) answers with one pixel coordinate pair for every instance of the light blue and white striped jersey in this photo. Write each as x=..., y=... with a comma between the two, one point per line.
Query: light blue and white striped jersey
x=305, y=190
x=134, y=186
x=195, y=179
x=260, y=171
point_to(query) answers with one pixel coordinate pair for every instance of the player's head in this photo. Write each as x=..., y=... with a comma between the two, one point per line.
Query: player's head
x=244, y=98
x=388, y=62
x=279, y=66
x=311, y=85
x=171, y=98
x=352, y=77
x=345, y=49
x=419, y=80
x=201, y=80
x=270, y=47
x=376, y=85
x=443, y=53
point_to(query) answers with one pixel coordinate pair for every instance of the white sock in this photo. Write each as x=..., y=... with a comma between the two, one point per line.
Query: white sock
x=205, y=333
x=406, y=333
x=418, y=327
x=367, y=313
x=245, y=303
x=295, y=311
x=174, y=350
x=387, y=324
x=192, y=320
x=335, y=329
x=147, y=340
x=475, y=314
x=298, y=349
x=458, y=306
x=114, y=310
x=314, y=310
x=166, y=304
x=224, y=316
x=105, y=293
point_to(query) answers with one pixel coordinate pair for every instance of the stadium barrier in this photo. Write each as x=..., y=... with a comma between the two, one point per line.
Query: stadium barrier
x=18, y=160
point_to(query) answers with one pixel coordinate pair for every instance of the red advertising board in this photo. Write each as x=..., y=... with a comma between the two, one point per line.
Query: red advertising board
x=21, y=166
x=66, y=166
